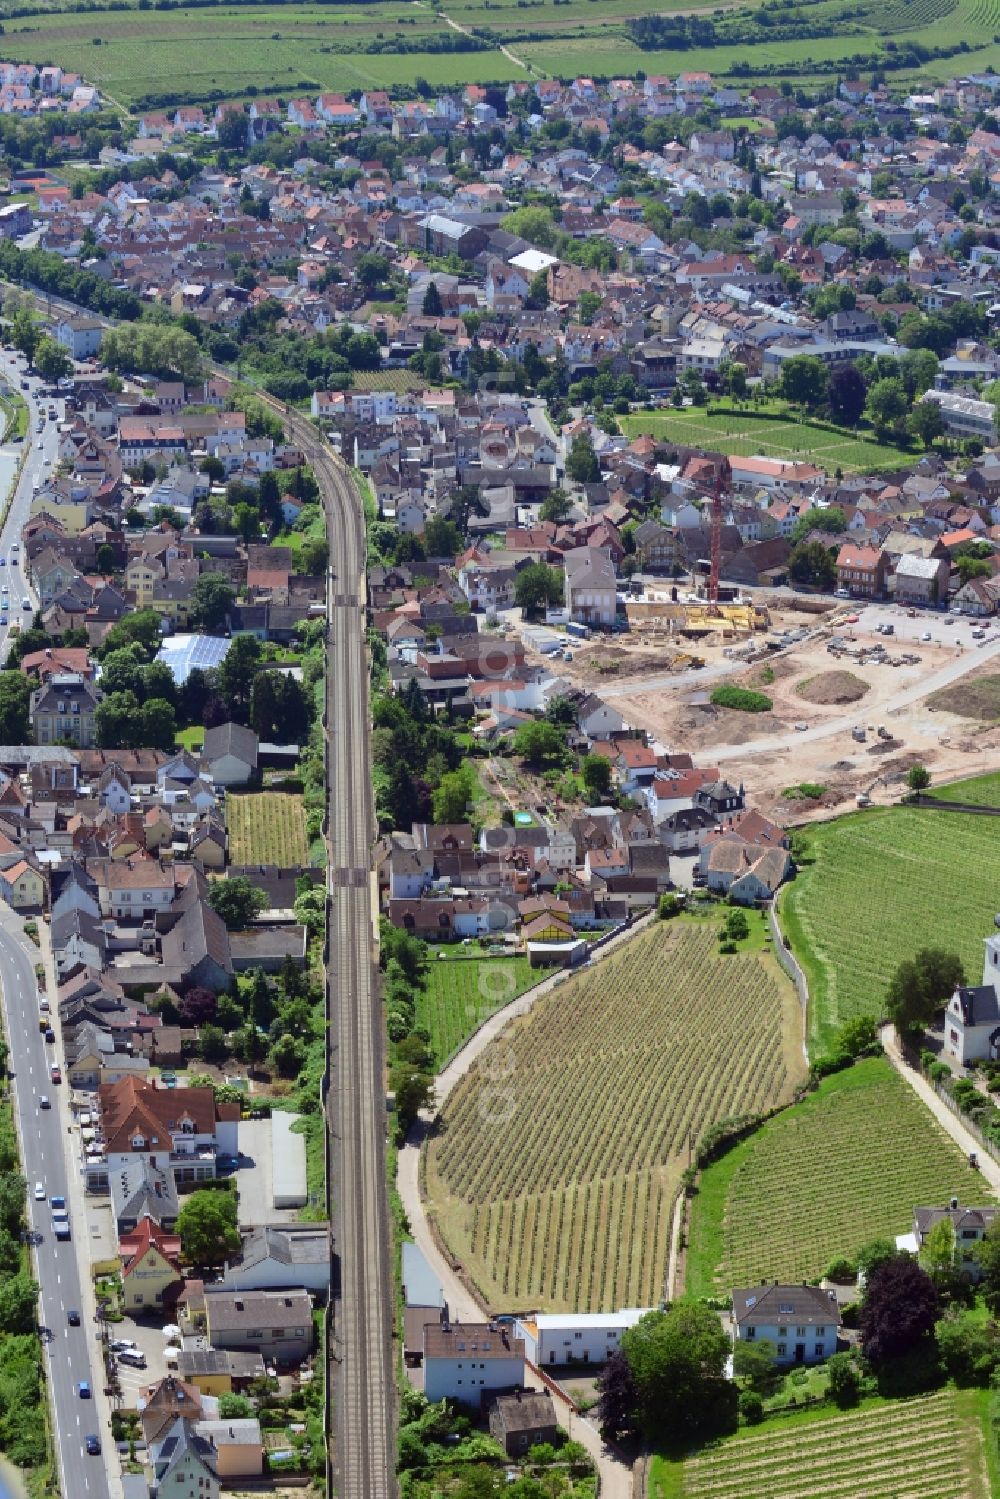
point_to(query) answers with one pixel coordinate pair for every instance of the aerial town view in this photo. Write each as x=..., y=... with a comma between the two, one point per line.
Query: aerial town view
x=499, y=749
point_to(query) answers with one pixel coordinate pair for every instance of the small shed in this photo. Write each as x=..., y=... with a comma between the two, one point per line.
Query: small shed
x=522, y=1420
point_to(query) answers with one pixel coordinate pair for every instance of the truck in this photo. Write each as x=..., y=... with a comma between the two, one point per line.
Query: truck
x=858, y=733
x=60, y=1224
x=575, y=627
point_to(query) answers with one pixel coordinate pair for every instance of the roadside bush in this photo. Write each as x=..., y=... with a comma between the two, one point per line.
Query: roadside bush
x=751, y=1407
x=741, y=698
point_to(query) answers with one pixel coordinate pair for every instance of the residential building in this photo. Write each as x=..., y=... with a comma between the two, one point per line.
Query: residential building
x=970, y=1225
x=801, y=1321
x=523, y=1420
x=575, y=1337
x=972, y=1016
x=183, y=1465
x=861, y=570
x=63, y=708
x=230, y=754
x=590, y=586
x=150, y=1268
x=921, y=580
x=465, y=1361
x=278, y=1324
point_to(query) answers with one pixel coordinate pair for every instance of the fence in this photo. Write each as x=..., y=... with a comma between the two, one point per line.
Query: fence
x=970, y=1124
x=787, y=959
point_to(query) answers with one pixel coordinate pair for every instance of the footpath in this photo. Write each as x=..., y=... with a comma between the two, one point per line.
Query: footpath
x=949, y=1122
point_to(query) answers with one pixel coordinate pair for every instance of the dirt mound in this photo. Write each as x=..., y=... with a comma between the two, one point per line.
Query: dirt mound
x=976, y=698
x=832, y=687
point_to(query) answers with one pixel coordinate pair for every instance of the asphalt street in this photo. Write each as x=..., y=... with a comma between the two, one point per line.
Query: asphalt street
x=72, y=1353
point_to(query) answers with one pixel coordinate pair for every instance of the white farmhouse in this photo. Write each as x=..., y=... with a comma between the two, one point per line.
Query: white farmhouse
x=464, y=1360
x=972, y=1019
x=575, y=1337
x=801, y=1321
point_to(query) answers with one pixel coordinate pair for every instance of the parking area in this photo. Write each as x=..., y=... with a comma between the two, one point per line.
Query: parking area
x=148, y=1336
x=916, y=624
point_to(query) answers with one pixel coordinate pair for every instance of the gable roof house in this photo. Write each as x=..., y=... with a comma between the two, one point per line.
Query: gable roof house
x=801, y=1321
x=230, y=754
x=972, y=1016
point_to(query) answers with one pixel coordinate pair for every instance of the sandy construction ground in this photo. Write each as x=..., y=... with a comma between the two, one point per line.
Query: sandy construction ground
x=819, y=697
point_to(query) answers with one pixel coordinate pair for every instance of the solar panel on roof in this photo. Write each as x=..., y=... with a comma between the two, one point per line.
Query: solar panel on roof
x=183, y=653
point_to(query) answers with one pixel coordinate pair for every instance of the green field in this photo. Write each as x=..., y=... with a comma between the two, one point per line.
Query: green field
x=880, y=884
x=928, y=1447
x=267, y=827
x=138, y=55
x=978, y=791
x=462, y=992
x=821, y=1179
x=553, y=1172
x=744, y=435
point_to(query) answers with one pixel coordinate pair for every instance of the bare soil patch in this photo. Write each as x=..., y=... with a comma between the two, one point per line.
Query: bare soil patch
x=971, y=698
x=707, y=724
x=833, y=687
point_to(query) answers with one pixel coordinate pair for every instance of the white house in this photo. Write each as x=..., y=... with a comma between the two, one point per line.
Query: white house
x=970, y=1225
x=575, y=1337
x=230, y=753
x=276, y=1259
x=80, y=336
x=590, y=585
x=801, y=1321
x=972, y=1019
x=464, y=1360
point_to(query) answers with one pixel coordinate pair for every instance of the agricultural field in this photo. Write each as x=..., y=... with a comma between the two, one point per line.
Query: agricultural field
x=928, y=1447
x=744, y=435
x=876, y=886
x=460, y=993
x=553, y=1173
x=848, y=1164
x=978, y=791
x=397, y=380
x=267, y=827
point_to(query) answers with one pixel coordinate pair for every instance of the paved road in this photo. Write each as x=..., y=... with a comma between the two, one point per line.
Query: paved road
x=72, y=1352
x=39, y=463
x=363, y=1373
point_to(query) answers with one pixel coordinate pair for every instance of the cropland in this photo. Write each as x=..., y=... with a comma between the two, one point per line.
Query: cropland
x=267, y=827
x=554, y=1169
x=145, y=57
x=930, y=1447
x=819, y=1180
x=877, y=885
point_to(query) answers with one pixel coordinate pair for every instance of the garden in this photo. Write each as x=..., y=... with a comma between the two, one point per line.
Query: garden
x=267, y=827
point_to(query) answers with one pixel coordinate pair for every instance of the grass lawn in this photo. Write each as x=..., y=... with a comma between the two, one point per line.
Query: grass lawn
x=744, y=434
x=462, y=992
x=881, y=884
x=267, y=827
x=819, y=1180
x=980, y=791
x=190, y=739
x=926, y=1447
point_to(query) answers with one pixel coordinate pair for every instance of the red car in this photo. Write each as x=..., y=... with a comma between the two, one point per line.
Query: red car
x=55, y=1074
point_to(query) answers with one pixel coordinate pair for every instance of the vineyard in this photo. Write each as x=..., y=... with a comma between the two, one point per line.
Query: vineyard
x=978, y=791
x=460, y=993
x=845, y=1166
x=267, y=827
x=554, y=1172
x=929, y=1447
x=881, y=884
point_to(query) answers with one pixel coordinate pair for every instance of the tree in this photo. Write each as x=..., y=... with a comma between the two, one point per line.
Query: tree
x=15, y=701
x=25, y=332
x=918, y=778
x=52, y=361
x=116, y=721
x=158, y=725
x=537, y=585
x=900, y=1309
x=453, y=795
x=582, y=465
x=757, y=1363
x=234, y=1407
x=937, y=1252
x=919, y=988
x=232, y=130
x=846, y=392
x=212, y=1044
x=925, y=422
x=617, y=1397
x=18, y=1303
x=141, y=628
x=970, y=1351
x=211, y=602
x=538, y=291
x=845, y=1380
x=237, y=671
x=539, y=742
x=555, y=507
x=442, y=538
x=105, y=559
x=432, y=305
x=803, y=380
x=737, y=926
x=886, y=404
x=596, y=772
x=198, y=1006
x=811, y=564
x=371, y=271
x=872, y=1255
x=236, y=901
x=678, y=1360
x=207, y=1226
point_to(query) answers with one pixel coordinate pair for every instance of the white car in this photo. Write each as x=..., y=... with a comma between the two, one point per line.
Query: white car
x=25, y=603
x=39, y=1192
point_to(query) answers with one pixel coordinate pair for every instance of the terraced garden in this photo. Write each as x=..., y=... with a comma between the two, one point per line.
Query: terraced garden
x=821, y=1179
x=880, y=884
x=554, y=1171
x=929, y=1447
x=267, y=827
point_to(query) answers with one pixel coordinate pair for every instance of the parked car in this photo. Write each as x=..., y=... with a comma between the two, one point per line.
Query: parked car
x=133, y=1357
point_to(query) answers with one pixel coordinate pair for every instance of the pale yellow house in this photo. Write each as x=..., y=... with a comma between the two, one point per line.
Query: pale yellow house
x=239, y=1448
x=23, y=887
x=149, y=1267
